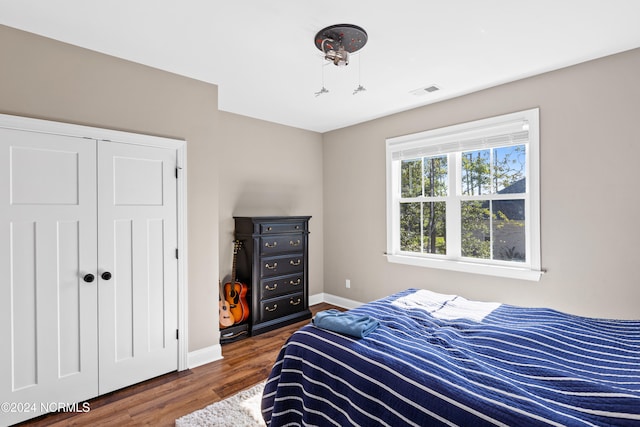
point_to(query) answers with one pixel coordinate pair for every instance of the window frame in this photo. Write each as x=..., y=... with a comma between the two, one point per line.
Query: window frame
x=455, y=139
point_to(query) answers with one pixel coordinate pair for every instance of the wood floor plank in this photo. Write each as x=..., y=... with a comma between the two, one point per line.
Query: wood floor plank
x=160, y=401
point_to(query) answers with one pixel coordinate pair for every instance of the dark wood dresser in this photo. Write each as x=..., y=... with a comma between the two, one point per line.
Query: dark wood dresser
x=273, y=262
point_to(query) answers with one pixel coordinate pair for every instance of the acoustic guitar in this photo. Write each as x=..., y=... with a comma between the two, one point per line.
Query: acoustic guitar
x=236, y=292
x=224, y=313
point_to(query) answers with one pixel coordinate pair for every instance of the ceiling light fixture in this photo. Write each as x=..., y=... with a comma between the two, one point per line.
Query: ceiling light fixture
x=324, y=89
x=338, y=41
x=360, y=88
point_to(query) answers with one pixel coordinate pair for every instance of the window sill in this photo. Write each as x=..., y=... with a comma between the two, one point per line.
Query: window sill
x=468, y=267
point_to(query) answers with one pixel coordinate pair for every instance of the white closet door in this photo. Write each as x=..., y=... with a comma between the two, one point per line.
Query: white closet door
x=137, y=237
x=48, y=313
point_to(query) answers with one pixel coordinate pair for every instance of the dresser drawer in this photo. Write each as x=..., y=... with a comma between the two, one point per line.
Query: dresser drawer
x=270, y=288
x=282, y=227
x=279, y=243
x=280, y=265
x=283, y=306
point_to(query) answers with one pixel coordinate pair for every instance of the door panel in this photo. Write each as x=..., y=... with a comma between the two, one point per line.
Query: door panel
x=137, y=242
x=137, y=182
x=123, y=290
x=47, y=243
x=68, y=296
x=56, y=180
x=22, y=297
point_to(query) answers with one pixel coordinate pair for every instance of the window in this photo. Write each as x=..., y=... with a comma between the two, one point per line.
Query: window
x=466, y=197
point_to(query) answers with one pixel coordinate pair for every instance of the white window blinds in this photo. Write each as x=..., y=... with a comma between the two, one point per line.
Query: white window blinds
x=464, y=137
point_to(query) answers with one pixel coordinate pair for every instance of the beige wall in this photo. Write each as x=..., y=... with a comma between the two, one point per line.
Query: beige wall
x=236, y=165
x=50, y=80
x=589, y=209
x=270, y=169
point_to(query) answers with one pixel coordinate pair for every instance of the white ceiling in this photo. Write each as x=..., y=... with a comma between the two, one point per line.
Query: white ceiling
x=262, y=55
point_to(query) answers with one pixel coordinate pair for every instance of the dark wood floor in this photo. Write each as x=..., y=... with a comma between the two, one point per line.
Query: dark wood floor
x=160, y=401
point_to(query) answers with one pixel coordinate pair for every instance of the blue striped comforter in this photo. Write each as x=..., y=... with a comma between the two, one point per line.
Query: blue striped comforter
x=513, y=366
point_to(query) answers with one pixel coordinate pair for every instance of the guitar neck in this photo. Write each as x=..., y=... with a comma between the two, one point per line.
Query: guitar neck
x=236, y=247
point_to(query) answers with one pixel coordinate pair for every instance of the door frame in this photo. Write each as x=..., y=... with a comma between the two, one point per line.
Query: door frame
x=100, y=134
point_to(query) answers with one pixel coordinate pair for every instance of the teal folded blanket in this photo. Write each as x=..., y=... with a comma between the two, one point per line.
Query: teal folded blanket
x=355, y=325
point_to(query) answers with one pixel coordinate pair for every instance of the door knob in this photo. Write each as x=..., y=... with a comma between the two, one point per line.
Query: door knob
x=88, y=278
x=106, y=275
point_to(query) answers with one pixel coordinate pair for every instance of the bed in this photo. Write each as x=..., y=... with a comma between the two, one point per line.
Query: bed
x=440, y=359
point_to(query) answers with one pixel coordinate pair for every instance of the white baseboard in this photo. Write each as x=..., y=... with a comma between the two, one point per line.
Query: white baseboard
x=316, y=299
x=212, y=353
x=204, y=356
x=335, y=300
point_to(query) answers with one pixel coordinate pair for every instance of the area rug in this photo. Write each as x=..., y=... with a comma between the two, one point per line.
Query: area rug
x=240, y=410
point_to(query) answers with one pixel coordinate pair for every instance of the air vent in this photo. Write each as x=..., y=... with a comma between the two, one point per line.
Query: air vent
x=425, y=90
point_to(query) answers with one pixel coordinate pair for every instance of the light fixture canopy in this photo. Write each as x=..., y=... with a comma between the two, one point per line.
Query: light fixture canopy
x=338, y=41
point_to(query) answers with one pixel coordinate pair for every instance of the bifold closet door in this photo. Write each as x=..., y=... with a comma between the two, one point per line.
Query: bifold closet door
x=48, y=312
x=88, y=268
x=137, y=241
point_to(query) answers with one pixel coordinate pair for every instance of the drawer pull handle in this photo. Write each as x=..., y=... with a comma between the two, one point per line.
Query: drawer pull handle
x=272, y=309
x=269, y=228
x=297, y=227
x=296, y=243
x=297, y=282
x=292, y=302
x=273, y=288
x=269, y=245
x=271, y=267
x=292, y=262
